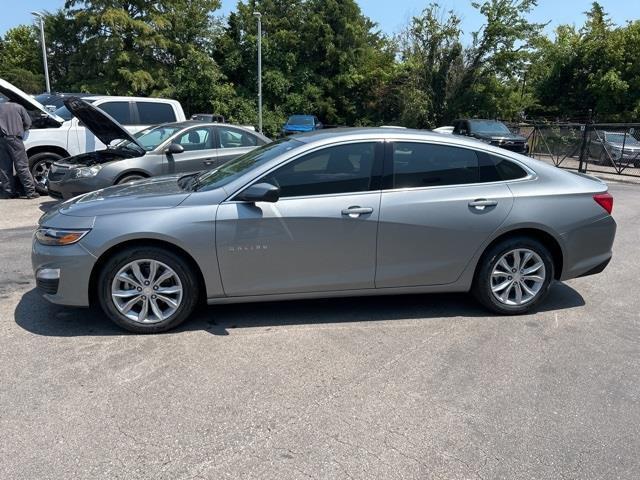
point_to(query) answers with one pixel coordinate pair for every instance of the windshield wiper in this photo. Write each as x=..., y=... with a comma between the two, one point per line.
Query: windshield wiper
x=190, y=182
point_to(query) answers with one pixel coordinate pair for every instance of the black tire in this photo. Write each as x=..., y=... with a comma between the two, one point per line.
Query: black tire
x=130, y=178
x=482, y=282
x=188, y=279
x=39, y=165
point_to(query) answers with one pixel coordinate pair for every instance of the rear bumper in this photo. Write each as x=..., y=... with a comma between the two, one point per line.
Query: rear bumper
x=588, y=248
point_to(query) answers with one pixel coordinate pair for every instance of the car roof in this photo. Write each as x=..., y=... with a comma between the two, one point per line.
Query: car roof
x=94, y=98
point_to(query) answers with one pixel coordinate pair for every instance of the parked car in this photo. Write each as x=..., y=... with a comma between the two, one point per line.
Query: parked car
x=300, y=124
x=608, y=146
x=53, y=101
x=492, y=132
x=58, y=135
x=346, y=212
x=208, y=117
x=165, y=149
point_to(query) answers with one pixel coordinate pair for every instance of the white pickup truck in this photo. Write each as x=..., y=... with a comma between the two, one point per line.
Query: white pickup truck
x=57, y=135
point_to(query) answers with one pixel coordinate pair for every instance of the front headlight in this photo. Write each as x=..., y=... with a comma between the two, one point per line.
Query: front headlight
x=56, y=236
x=85, y=172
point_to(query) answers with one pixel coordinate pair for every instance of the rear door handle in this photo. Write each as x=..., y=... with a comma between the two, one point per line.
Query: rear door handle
x=208, y=162
x=355, y=211
x=482, y=203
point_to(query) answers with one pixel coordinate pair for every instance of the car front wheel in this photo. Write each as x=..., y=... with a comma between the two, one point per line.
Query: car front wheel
x=40, y=165
x=147, y=290
x=514, y=276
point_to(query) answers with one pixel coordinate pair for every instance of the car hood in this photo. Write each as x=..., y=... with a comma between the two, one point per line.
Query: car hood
x=99, y=157
x=298, y=128
x=101, y=124
x=16, y=95
x=148, y=194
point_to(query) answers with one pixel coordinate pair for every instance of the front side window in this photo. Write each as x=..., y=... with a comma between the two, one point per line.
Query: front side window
x=119, y=111
x=428, y=165
x=332, y=170
x=232, y=138
x=196, y=139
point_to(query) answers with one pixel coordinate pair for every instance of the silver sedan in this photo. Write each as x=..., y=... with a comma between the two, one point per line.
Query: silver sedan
x=348, y=212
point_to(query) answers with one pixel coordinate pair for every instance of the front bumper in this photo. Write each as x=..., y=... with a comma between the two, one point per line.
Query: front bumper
x=63, y=273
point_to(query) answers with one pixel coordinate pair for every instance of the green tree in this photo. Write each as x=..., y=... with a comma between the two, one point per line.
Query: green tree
x=21, y=60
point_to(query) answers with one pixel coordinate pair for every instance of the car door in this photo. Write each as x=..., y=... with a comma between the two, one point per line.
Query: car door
x=319, y=236
x=199, y=152
x=435, y=213
x=233, y=142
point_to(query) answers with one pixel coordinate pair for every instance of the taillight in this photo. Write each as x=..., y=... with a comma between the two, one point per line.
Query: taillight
x=605, y=200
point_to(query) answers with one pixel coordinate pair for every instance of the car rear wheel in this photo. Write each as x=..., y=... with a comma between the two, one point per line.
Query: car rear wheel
x=40, y=164
x=514, y=276
x=147, y=290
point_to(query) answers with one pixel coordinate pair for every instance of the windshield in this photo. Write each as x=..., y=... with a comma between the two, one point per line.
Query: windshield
x=64, y=113
x=150, y=138
x=245, y=163
x=488, y=127
x=300, y=120
x=620, y=138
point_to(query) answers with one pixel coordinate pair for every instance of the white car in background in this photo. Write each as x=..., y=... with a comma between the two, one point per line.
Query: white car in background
x=59, y=134
x=448, y=129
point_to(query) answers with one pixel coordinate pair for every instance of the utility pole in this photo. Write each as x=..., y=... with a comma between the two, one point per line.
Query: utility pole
x=40, y=17
x=258, y=15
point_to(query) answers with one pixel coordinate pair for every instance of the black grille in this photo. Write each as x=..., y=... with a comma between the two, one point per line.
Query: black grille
x=49, y=286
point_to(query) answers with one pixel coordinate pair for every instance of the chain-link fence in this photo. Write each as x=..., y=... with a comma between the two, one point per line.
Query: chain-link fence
x=612, y=148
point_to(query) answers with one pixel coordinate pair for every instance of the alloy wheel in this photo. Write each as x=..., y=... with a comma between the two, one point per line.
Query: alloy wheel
x=517, y=277
x=146, y=291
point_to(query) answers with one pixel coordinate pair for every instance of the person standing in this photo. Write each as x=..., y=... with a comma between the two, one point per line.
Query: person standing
x=14, y=122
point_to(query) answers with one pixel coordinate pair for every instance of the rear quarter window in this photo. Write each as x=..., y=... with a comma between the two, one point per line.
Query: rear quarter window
x=495, y=169
x=150, y=113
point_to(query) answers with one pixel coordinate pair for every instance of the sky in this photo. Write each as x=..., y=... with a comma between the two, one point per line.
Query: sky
x=391, y=16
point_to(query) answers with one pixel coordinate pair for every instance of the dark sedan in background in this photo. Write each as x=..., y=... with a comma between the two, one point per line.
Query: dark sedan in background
x=492, y=132
x=169, y=148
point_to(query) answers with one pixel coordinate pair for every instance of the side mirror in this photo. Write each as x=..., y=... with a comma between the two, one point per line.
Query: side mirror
x=174, y=148
x=260, y=192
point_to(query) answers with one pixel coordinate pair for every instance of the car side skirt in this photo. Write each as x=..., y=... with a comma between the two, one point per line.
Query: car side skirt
x=450, y=288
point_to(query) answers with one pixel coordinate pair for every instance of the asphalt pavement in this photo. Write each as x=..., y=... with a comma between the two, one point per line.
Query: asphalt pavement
x=423, y=386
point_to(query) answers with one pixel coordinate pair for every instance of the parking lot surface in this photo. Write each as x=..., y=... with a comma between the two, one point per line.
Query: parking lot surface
x=427, y=386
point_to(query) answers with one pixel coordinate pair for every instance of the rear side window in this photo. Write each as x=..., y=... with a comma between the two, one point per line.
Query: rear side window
x=232, y=138
x=495, y=169
x=151, y=113
x=120, y=111
x=339, y=169
x=429, y=165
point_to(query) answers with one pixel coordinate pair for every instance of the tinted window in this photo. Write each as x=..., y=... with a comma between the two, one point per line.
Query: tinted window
x=495, y=169
x=340, y=169
x=428, y=165
x=232, y=138
x=118, y=110
x=151, y=113
x=196, y=139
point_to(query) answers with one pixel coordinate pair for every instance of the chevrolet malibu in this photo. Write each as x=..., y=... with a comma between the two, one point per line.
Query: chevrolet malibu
x=348, y=212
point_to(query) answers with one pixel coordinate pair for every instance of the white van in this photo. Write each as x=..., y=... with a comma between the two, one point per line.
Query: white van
x=58, y=135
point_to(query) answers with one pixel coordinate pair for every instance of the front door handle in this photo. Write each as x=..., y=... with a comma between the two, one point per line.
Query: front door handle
x=208, y=162
x=355, y=211
x=482, y=203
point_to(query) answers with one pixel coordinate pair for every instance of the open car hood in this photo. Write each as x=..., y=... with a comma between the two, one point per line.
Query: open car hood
x=101, y=124
x=16, y=95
